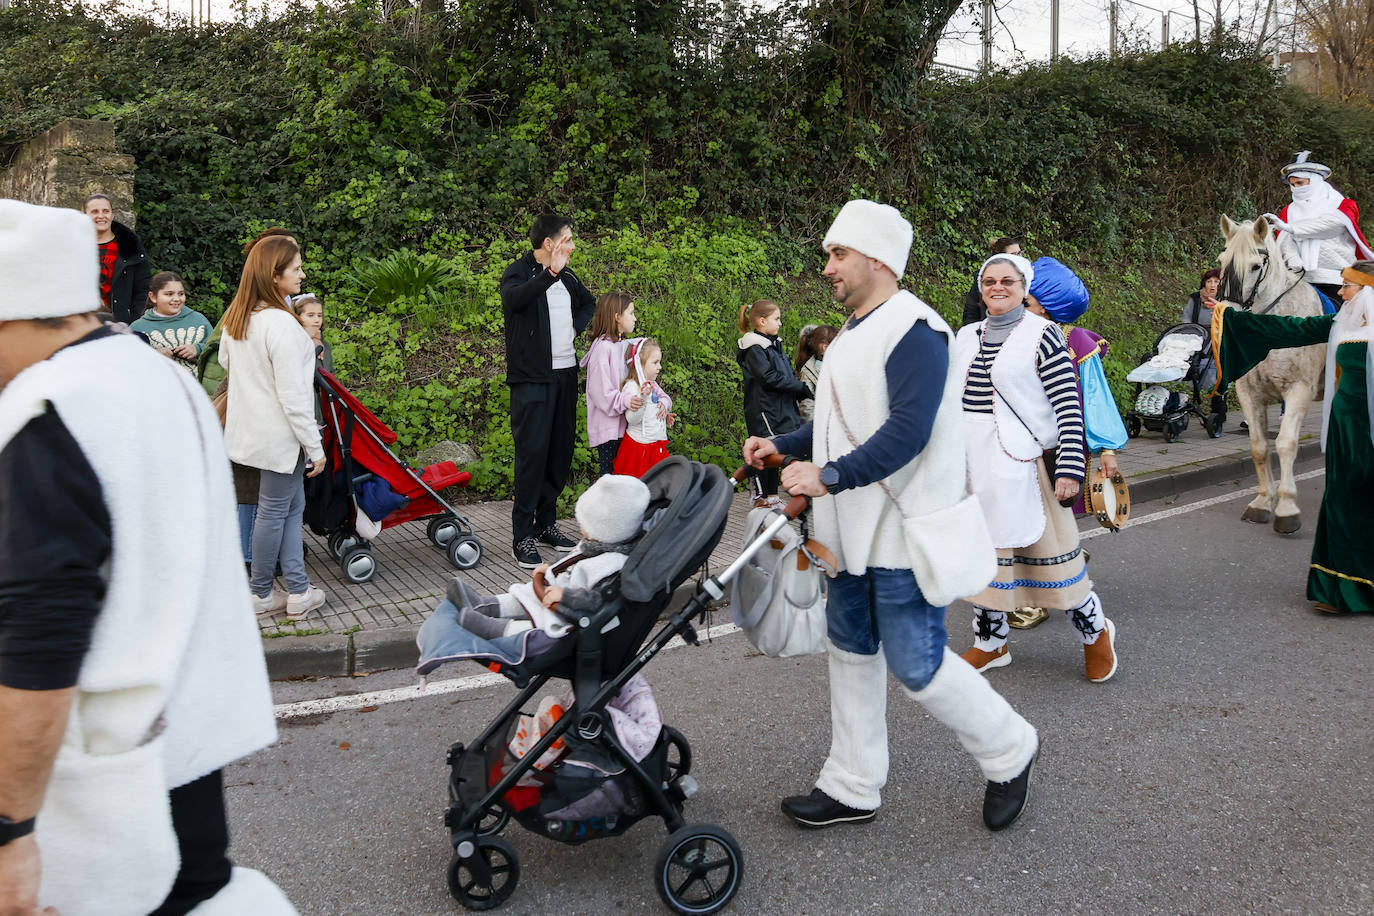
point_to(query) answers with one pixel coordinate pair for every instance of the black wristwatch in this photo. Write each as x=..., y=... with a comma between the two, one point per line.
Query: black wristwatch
x=830, y=476
x=13, y=830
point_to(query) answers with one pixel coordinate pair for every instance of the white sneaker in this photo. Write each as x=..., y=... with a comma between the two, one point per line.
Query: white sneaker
x=298, y=606
x=273, y=603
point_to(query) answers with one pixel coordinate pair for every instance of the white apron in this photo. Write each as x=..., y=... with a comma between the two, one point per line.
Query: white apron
x=1008, y=489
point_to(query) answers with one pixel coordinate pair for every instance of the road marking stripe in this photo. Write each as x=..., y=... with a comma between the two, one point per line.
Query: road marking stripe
x=434, y=688
x=473, y=682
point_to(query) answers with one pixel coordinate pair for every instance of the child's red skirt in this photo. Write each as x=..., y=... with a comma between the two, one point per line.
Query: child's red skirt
x=634, y=458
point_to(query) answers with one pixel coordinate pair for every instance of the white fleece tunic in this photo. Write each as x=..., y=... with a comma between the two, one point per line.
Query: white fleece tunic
x=174, y=685
x=271, y=414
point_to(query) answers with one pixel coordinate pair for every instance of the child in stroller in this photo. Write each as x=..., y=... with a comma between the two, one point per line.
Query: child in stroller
x=595, y=761
x=1182, y=353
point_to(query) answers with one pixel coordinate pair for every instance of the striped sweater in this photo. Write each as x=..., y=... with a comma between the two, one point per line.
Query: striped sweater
x=1054, y=365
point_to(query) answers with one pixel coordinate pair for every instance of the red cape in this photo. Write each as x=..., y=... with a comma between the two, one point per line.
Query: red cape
x=1352, y=212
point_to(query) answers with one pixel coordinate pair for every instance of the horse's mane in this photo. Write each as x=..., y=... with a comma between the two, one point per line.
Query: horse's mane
x=1246, y=248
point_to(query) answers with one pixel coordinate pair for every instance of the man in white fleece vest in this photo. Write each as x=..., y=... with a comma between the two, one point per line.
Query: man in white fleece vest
x=131, y=669
x=888, y=447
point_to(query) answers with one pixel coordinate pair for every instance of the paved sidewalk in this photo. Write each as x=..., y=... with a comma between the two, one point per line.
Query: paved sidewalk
x=372, y=626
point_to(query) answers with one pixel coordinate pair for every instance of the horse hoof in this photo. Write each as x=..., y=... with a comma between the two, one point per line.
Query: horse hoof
x=1287, y=524
x=1258, y=516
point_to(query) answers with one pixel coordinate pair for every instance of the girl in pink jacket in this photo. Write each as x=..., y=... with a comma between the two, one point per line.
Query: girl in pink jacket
x=605, y=364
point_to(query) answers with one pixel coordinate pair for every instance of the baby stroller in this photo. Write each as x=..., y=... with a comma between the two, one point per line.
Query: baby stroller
x=356, y=446
x=1181, y=354
x=700, y=866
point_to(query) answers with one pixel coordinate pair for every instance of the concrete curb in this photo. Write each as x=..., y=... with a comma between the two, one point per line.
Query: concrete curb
x=367, y=651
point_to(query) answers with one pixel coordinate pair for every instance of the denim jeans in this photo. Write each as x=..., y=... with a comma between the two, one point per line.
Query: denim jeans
x=885, y=608
x=277, y=532
x=248, y=514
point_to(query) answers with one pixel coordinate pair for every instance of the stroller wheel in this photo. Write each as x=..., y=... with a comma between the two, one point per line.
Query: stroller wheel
x=464, y=552
x=441, y=530
x=493, y=822
x=485, y=879
x=1133, y=426
x=358, y=565
x=699, y=869
x=678, y=762
x=340, y=542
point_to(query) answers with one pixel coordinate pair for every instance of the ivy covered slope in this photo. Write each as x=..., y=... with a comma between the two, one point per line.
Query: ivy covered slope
x=701, y=154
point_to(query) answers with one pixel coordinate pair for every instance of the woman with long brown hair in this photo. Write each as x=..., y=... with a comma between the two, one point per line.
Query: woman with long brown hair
x=270, y=421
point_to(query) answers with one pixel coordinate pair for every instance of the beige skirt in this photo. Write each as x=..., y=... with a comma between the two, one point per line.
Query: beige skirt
x=1049, y=573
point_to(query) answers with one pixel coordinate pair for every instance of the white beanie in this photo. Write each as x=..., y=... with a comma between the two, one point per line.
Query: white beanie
x=48, y=261
x=612, y=509
x=872, y=229
x=1023, y=267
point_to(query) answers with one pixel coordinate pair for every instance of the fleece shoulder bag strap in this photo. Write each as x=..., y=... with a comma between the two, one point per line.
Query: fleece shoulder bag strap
x=950, y=549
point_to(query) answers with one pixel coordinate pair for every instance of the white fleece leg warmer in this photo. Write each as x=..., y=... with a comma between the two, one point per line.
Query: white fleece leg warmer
x=995, y=734
x=248, y=892
x=856, y=769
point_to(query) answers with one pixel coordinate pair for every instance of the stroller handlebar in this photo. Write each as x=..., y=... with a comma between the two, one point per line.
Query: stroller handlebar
x=797, y=505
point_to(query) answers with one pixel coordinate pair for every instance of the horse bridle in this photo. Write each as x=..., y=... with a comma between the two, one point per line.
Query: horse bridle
x=1230, y=281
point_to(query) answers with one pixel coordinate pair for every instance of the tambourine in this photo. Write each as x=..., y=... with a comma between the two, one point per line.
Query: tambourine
x=1109, y=499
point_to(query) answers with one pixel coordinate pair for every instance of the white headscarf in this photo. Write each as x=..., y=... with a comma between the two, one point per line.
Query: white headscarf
x=1023, y=267
x=1352, y=324
x=1316, y=198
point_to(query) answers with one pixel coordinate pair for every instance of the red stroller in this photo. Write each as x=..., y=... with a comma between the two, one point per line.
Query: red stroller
x=355, y=444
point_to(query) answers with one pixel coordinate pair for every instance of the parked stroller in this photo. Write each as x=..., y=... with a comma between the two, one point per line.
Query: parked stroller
x=356, y=446
x=1180, y=355
x=700, y=866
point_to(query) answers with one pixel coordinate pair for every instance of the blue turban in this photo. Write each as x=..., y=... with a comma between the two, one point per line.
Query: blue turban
x=1059, y=291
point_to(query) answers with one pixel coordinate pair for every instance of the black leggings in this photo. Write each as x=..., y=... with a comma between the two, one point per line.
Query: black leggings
x=605, y=456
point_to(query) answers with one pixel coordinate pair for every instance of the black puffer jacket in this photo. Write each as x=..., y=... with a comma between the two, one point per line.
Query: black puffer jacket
x=771, y=388
x=525, y=304
x=132, y=275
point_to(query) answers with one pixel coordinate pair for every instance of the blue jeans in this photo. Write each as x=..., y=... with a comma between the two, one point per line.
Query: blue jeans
x=885, y=608
x=277, y=532
x=248, y=514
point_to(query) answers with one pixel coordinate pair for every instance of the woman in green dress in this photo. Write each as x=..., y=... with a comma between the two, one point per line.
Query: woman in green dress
x=1341, y=577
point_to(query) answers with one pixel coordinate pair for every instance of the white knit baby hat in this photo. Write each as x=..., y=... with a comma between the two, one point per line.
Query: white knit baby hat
x=612, y=509
x=872, y=229
x=49, y=265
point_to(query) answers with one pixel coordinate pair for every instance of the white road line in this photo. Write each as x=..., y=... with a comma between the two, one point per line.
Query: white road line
x=434, y=688
x=1192, y=507
x=475, y=681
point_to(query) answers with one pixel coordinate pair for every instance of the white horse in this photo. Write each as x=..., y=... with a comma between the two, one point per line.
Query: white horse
x=1255, y=276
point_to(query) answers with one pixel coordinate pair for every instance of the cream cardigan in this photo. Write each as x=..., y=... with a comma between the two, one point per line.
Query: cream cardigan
x=271, y=414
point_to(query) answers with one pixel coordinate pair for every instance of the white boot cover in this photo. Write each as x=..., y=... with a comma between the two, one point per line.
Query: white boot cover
x=856, y=769
x=248, y=893
x=995, y=734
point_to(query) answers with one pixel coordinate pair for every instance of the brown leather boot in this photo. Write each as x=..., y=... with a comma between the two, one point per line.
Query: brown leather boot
x=982, y=661
x=1099, y=657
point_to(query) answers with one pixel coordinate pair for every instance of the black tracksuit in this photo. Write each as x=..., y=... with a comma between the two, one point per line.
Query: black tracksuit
x=543, y=401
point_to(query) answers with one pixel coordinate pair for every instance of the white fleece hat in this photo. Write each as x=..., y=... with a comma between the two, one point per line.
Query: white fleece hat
x=49, y=262
x=872, y=229
x=1023, y=267
x=612, y=509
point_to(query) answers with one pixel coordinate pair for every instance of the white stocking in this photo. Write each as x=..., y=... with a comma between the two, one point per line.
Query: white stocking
x=856, y=769
x=1088, y=620
x=995, y=734
x=990, y=629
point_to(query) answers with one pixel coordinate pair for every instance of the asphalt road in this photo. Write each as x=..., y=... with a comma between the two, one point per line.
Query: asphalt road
x=1225, y=769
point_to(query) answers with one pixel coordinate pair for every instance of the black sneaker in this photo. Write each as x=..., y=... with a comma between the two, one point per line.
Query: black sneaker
x=819, y=810
x=1004, y=801
x=526, y=554
x=552, y=537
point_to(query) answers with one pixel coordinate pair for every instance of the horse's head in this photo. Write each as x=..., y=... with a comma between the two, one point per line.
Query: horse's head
x=1253, y=259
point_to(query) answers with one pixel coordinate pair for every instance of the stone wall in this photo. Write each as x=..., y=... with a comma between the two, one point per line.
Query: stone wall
x=65, y=164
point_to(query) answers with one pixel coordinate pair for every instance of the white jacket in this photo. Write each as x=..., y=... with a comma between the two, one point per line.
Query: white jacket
x=271, y=414
x=174, y=685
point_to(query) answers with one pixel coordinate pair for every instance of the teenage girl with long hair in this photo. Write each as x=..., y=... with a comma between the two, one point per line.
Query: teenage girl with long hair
x=613, y=322
x=811, y=346
x=270, y=420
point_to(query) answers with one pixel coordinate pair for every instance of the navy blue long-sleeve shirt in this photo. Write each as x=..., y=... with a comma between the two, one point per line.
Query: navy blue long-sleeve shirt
x=915, y=372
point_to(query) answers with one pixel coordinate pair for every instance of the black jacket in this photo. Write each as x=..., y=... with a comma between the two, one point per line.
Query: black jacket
x=132, y=275
x=771, y=388
x=974, y=309
x=529, y=348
